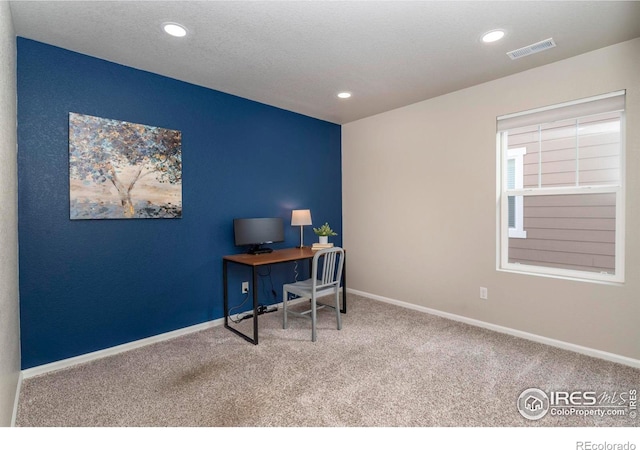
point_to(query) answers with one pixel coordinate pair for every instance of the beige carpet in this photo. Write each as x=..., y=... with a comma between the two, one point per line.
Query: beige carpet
x=389, y=366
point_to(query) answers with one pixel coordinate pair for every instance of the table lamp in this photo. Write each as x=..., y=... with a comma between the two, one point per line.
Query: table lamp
x=300, y=217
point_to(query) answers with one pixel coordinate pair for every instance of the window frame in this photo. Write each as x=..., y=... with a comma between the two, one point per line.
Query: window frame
x=504, y=232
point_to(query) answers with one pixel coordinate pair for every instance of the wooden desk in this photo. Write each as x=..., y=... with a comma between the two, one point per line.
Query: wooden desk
x=264, y=259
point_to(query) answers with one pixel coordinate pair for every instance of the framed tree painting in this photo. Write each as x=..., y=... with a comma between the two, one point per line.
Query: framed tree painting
x=123, y=170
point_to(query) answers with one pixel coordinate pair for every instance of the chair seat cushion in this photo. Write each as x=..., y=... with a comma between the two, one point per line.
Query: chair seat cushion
x=303, y=288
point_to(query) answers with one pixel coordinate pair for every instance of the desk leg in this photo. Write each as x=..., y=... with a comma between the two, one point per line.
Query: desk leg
x=226, y=305
x=225, y=295
x=344, y=284
x=255, y=305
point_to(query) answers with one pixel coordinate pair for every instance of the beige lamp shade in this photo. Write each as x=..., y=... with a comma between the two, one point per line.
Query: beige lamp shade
x=300, y=217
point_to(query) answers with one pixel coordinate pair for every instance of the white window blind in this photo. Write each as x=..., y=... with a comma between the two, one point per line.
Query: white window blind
x=614, y=101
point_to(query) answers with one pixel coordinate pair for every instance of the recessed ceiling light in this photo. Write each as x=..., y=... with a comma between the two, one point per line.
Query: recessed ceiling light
x=344, y=94
x=492, y=36
x=174, y=29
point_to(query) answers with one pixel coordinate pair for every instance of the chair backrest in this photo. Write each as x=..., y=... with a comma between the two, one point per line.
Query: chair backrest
x=331, y=271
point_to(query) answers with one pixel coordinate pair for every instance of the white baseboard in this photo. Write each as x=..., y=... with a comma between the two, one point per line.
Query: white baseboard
x=65, y=363
x=500, y=329
x=16, y=400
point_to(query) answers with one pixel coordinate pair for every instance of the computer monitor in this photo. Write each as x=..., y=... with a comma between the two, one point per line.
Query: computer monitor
x=255, y=232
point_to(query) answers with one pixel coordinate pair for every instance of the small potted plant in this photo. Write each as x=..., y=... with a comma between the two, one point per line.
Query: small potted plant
x=324, y=232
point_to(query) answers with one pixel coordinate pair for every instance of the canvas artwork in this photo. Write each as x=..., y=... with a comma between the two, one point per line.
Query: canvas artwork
x=123, y=170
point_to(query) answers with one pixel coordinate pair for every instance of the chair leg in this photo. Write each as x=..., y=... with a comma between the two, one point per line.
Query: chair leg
x=338, y=316
x=313, y=318
x=285, y=294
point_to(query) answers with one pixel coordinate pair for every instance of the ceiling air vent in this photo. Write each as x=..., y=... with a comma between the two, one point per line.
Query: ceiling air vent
x=531, y=49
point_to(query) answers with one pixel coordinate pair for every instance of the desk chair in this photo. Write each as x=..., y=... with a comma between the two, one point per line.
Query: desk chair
x=323, y=282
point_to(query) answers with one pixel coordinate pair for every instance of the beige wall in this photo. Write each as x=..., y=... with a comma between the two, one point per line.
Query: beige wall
x=9, y=312
x=419, y=199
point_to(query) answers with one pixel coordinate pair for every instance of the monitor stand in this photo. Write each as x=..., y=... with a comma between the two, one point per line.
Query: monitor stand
x=258, y=250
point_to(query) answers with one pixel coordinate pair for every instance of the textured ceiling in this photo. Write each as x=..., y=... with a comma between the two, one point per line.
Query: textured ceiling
x=298, y=55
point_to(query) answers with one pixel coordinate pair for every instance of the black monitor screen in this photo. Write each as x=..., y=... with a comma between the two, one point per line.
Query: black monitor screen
x=254, y=232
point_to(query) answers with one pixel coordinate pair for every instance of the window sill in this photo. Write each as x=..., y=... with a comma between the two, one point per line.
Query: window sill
x=569, y=275
x=517, y=234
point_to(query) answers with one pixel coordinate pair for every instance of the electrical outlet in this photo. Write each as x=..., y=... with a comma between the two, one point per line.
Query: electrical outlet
x=484, y=293
x=245, y=287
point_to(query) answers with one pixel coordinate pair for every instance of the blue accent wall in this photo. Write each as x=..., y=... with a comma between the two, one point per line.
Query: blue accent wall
x=86, y=285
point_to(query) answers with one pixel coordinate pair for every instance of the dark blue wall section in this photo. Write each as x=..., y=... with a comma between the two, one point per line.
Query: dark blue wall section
x=87, y=285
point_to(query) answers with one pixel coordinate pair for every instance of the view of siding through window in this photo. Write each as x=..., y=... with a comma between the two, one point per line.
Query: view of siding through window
x=574, y=231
